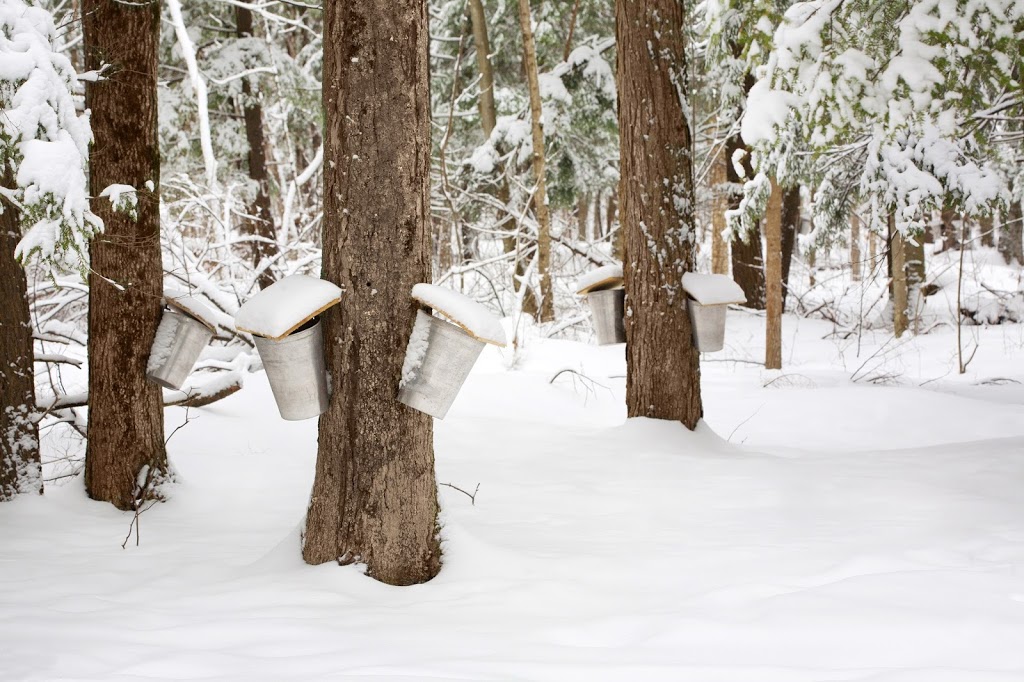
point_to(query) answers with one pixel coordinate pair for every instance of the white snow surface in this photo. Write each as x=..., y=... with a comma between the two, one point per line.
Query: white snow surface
x=194, y=307
x=285, y=305
x=472, y=316
x=416, y=350
x=712, y=289
x=598, y=275
x=163, y=342
x=815, y=528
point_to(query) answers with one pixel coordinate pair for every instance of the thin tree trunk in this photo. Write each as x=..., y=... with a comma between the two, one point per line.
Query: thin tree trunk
x=126, y=422
x=611, y=216
x=790, y=229
x=572, y=30
x=1011, y=243
x=720, y=204
x=773, y=280
x=374, y=497
x=855, y=247
x=488, y=110
x=582, y=216
x=899, y=279
x=872, y=248
x=19, y=436
x=662, y=364
x=988, y=235
x=540, y=197
x=915, y=272
x=950, y=231
x=262, y=227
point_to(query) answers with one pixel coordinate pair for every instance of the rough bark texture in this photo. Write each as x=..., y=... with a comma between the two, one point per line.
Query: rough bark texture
x=720, y=204
x=773, y=280
x=374, y=498
x=747, y=261
x=19, y=437
x=126, y=422
x=657, y=219
x=1011, y=243
x=855, y=264
x=261, y=225
x=897, y=248
x=540, y=196
x=790, y=229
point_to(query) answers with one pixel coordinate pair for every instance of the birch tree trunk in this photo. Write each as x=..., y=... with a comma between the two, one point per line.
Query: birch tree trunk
x=19, y=437
x=125, y=458
x=261, y=225
x=540, y=197
x=374, y=497
x=773, y=280
x=657, y=219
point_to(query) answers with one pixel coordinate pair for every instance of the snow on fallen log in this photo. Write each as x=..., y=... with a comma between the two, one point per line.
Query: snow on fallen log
x=474, y=318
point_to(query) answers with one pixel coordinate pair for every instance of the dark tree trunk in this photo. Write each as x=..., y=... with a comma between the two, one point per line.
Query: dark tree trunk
x=19, y=438
x=747, y=260
x=374, y=499
x=126, y=422
x=790, y=229
x=261, y=226
x=657, y=219
x=1011, y=244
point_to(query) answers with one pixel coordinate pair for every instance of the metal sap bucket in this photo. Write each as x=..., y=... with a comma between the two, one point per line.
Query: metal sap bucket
x=296, y=370
x=449, y=357
x=607, y=311
x=707, y=323
x=178, y=342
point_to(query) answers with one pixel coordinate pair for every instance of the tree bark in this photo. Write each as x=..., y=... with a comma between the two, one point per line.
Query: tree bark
x=540, y=196
x=261, y=225
x=19, y=436
x=897, y=248
x=611, y=215
x=914, y=266
x=855, y=264
x=790, y=229
x=987, y=232
x=126, y=422
x=720, y=204
x=747, y=261
x=1011, y=243
x=657, y=219
x=488, y=110
x=773, y=280
x=374, y=497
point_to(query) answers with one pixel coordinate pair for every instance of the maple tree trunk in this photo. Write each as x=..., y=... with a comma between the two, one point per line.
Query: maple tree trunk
x=540, y=197
x=657, y=219
x=261, y=226
x=773, y=279
x=19, y=436
x=126, y=421
x=374, y=497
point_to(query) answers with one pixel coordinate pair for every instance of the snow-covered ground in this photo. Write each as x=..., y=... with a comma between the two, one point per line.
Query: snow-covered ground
x=857, y=516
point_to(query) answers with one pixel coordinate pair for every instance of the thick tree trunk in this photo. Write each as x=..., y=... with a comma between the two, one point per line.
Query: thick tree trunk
x=897, y=248
x=720, y=204
x=747, y=261
x=126, y=421
x=773, y=280
x=657, y=219
x=261, y=226
x=790, y=229
x=855, y=264
x=374, y=498
x=19, y=437
x=540, y=196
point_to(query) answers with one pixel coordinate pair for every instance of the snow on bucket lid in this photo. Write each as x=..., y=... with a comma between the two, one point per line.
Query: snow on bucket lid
x=192, y=307
x=712, y=289
x=604, y=277
x=474, y=318
x=286, y=305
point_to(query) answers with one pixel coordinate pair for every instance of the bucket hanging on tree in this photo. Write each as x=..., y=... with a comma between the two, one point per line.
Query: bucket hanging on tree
x=708, y=297
x=186, y=327
x=286, y=328
x=441, y=354
x=607, y=299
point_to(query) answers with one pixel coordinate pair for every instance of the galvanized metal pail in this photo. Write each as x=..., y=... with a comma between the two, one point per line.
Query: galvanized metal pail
x=179, y=341
x=296, y=370
x=449, y=357
x=607, y=310
x=708, y=325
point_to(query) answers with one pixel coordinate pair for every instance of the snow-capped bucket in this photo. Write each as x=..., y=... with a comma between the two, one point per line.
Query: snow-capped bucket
x=284, y=323
x=440, y=354
x=709, y=298
x=607, y=311
x=296, y=371
x=607, y=299
x=179, y=340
